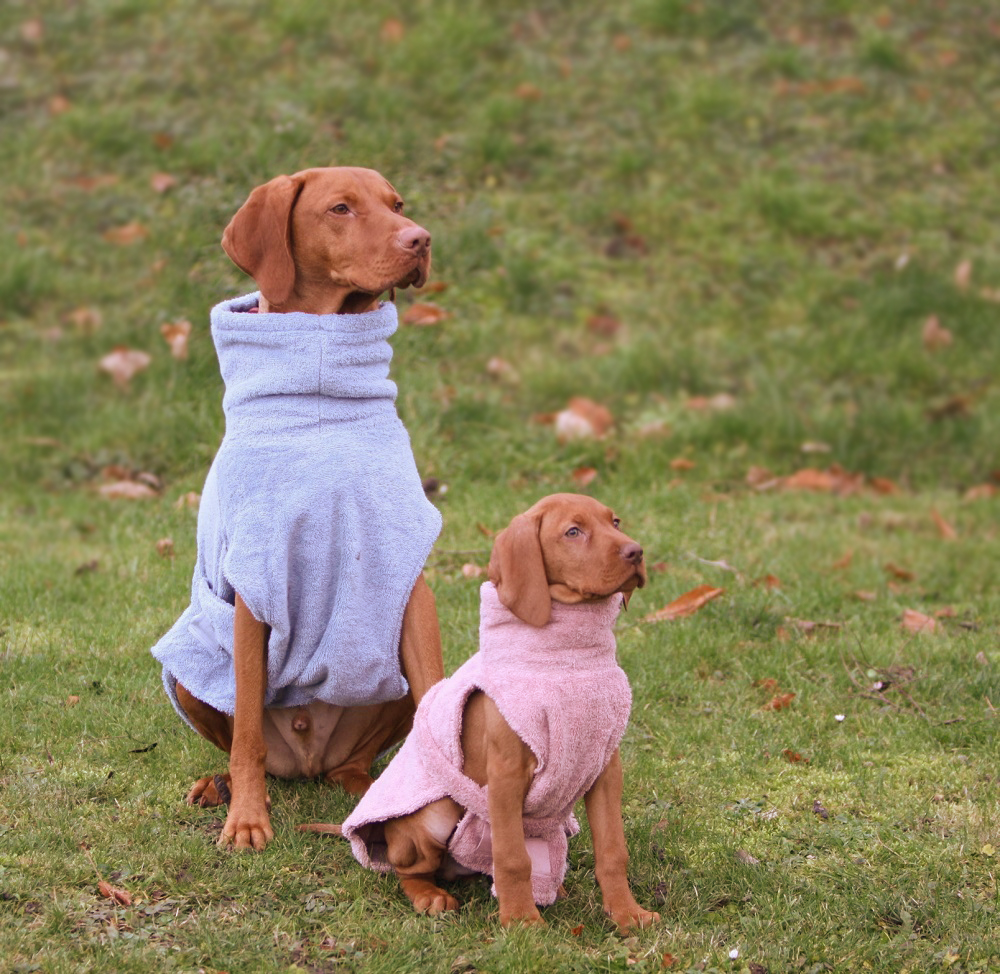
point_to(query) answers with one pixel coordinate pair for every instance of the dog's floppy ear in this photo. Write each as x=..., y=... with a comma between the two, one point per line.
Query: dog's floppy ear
x=518, y=571
x=258, y=239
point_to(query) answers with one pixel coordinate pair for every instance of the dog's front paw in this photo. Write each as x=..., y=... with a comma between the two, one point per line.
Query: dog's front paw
x=627, y=917
x=210, y=792
x=428, y=898
x=521, y=918
x=246, y=828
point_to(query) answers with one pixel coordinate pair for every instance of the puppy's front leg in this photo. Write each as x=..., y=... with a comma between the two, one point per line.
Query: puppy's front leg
x=509, y=768
x=248, y=824
x=604, y=812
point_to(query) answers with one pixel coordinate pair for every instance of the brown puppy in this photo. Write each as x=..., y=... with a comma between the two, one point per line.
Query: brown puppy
x=569, y=550
x=322, y=241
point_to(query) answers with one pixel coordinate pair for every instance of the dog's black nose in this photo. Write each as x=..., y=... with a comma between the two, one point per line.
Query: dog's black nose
x=632, y=553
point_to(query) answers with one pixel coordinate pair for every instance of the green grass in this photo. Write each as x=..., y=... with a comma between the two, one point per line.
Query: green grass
x=771, y=199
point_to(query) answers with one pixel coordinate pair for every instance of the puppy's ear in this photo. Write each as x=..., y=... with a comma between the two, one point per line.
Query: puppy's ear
x=258, y=239
x=518, y=571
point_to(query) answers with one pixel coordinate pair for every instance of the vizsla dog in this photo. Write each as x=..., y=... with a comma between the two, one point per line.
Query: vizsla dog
x=501, y=751
x=309, y=605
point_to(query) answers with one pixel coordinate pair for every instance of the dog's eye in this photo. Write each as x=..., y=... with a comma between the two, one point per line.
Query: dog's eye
x=340, y=209
x=617, y=522
x=398, y=206
x=573, y=533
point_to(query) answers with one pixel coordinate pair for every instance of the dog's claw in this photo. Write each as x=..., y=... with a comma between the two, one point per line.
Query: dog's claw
x=222, y=787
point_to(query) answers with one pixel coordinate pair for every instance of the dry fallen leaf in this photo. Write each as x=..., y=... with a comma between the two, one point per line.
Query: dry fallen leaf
x=470, y=570
x=392, y=30
x=686, y=604
x=127, y=490
x=963, y=274
x=33, y=31
x=718, y=403
x=903, y=574
x=162, y=182
x=793, y=757
x=85, y=320
x=981, y=492
x=122, y=363
x=110, y=892
x=126, y=234
x=165, y=547
x=604, y=324
x=425, y=313
x=779, y=701
x=934, y=336
x=844, y=561
x=946, y=530
x=581, y=419
x=583, y=476
x=176, y=334
x=190, y=499
x=72, y=700
x=914, y=621
x=682, y=463
x=528, y=92
x=59, y=105
x=502, y=369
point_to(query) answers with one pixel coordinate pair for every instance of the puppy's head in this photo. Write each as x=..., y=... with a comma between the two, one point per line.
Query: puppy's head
x=567, y=547
x=327, y=240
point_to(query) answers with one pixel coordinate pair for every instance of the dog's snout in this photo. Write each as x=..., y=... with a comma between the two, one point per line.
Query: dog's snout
x=632, y=553
x=415, y=238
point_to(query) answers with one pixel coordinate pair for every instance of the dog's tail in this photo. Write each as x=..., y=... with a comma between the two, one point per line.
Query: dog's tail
x=322, y=827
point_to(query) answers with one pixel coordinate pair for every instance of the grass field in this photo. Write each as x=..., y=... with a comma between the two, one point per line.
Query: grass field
x=762, y=235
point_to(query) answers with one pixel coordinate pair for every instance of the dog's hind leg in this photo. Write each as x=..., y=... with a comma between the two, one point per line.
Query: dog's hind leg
x=417, y=845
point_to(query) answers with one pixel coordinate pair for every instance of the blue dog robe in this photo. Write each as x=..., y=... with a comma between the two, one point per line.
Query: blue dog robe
x=313, y=511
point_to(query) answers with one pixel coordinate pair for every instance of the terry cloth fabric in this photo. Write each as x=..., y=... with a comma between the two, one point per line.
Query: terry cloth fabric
x=313, y=511
x=563, y=693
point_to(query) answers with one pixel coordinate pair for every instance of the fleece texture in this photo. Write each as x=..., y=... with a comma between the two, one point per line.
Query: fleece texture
x=313, y=511
x=563, y=693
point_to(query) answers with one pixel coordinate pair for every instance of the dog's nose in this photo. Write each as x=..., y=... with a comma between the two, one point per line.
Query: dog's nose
x=632, y=553
x=414, y=238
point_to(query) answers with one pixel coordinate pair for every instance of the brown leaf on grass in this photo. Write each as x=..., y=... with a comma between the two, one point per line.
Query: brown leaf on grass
x=577, y=930
x=963, y=275
x=604, y=324
x=718, y=403
x=682, y=463
x=126, y=235
x=176, y=334
x=793, y=757
x=981, y=492
x=163, y=140
x=72, y=700
x=582, y=419
x=85, y=320
x=834, y=480
x=809, y=627
x=502, y=369
x=946, y=530
x=123, y=363
x=120, y=896
x=779, y=701
x=884, y=486
x=528, y=92
x=59, y=105
x=914, y=621
x=90, y=184
x=127, y=490
x=844, y=561
x=685, y=605
x=165, y=547
x=934, y=336
x=484, y=530
x=903, y=574
x=162, y=182
x=583, y=476
x=88, y=567
x=392, y=30
x=768, y=684
x=33, y=30
x=760, y=478
x=768, y=581
x=863, y=595
x=424, y=313
x=190, y=499
x=471, y=570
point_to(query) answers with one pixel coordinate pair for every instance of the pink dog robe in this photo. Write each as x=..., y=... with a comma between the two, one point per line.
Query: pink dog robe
x=560, y=689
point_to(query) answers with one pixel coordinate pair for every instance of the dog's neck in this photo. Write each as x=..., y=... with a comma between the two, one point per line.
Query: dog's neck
x=351, y=303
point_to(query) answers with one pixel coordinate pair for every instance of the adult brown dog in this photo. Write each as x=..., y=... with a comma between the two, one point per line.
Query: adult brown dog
x=322, y=241
x=566, y=549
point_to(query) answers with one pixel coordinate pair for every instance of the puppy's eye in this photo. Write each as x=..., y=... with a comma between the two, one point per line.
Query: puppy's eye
x=341, y=209
x=398, y=206
x=573, y=533
x=617, y=522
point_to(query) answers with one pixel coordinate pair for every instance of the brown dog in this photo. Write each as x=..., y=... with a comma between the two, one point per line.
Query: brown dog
x=497, y=803
x=320, y=242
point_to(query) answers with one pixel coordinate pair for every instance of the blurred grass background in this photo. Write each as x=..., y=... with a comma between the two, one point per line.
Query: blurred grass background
x=729, y=223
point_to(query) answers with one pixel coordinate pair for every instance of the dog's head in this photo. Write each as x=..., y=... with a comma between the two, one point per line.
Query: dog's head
x=327, y=240
x=567, y=547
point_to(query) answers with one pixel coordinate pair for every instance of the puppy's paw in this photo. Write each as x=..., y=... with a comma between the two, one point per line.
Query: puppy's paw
x=426, y=897
x=521, y=918
x=627, y=918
